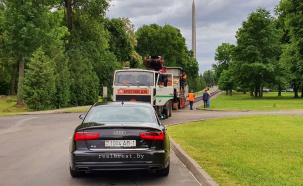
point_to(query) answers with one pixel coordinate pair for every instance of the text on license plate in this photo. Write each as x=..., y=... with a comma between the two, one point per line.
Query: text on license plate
x=120, y=143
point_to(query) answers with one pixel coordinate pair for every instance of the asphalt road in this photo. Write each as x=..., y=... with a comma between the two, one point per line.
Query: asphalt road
x=34, y=151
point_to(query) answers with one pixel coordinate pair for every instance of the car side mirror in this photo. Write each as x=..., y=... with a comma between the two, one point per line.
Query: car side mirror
x=82, y=116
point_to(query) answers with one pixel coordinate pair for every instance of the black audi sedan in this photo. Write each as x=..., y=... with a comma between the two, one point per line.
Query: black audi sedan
x=120, y=136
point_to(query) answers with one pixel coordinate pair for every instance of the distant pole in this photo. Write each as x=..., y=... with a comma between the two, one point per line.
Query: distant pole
x=104, y=93
x=194, y=29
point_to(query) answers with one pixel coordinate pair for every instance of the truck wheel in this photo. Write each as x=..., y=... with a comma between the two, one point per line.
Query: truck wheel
x=170, y=108
x=167, y=112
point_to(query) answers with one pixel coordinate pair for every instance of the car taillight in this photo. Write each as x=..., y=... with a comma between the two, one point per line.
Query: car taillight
x=152, y=135
x=80, y=136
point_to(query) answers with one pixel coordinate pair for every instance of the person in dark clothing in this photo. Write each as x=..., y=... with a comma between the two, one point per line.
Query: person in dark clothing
x=205, y=98
x=183, y=77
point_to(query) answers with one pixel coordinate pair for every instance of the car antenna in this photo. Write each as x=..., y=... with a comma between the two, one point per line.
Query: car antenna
x=122, y=102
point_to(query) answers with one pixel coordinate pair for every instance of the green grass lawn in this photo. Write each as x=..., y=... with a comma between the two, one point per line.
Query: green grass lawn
x=270, y=101
x=8, y=106
x=202, y=91
x=254, y=150
x=77, y=110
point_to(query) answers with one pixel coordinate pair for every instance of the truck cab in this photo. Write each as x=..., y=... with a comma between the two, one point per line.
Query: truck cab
x=146, y=86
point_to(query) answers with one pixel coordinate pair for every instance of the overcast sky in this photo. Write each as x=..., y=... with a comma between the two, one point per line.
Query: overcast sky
x=217, y=21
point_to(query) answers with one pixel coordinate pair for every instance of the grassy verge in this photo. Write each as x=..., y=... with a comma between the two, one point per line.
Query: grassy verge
x=198, y=93
x=270, y=101
x=254, y=150
x=77, y=110
x=202, y=91
x=8, y=106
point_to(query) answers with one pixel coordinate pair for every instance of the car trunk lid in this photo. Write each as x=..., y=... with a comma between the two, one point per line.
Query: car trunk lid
x=110, y=138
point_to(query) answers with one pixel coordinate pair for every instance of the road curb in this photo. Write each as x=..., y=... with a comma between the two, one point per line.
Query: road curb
x=192, y=165
x=57, y=111
x=223, y=110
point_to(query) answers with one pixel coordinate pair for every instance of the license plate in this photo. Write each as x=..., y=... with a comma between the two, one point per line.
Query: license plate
x=120, y=143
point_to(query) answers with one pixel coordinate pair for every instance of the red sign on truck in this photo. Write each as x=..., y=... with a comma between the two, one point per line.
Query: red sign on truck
x=133, y=91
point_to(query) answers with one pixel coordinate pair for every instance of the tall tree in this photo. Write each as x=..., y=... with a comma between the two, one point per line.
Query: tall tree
x=257, y=51
x=39, y=85
x=90, y=59
x=4, y=74
x=168, y=42
x=226, y=81
x=27, y=27
x=135, y=59
x=291, y=20
x=122, y=41
x=209, y=77
x=196, y=84
x=223, y=56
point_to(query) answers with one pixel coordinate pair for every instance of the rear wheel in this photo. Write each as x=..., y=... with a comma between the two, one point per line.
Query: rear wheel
x=163, y=172
x=76, y=174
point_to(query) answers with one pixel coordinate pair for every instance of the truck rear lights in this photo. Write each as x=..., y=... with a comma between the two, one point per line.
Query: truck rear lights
x=152, y=135
x=80, y=136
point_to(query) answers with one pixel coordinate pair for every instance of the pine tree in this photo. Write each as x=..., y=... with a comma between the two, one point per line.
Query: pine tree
x=39, y=83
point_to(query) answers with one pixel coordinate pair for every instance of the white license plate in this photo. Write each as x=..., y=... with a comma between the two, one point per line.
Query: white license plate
x=120, y=143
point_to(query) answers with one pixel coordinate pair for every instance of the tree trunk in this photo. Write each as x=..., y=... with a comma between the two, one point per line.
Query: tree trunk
x=257, y=91
x=251, y=93
x=227, y=92
x=296, y=88
x=302, y=92
x=280, y=90
x=68, y=7
x=231, y=92
x=20, y=83
x=13, y=81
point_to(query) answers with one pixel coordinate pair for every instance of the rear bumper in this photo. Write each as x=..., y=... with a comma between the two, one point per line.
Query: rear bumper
x=128, y=160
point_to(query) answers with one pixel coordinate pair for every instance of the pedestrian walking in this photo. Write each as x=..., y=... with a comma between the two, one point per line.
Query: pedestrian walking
x=191, y=99
x=208, y=101
x=205, y=98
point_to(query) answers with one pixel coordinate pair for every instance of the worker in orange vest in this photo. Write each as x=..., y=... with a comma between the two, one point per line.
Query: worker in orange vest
x=191, y=99
x=183, y=77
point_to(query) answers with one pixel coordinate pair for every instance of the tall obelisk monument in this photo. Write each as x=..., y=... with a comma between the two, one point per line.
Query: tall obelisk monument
x=194, y=29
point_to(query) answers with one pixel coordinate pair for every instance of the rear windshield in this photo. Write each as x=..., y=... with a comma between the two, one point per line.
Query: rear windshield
x=103, y=114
